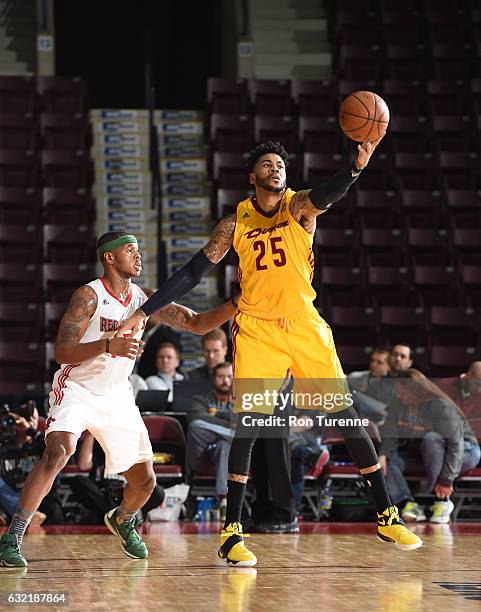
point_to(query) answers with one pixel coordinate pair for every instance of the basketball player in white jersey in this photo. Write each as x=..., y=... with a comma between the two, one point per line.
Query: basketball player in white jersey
x=91, y=391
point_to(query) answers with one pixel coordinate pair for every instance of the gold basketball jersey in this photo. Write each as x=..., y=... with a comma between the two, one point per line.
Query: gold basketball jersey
x=276, y=261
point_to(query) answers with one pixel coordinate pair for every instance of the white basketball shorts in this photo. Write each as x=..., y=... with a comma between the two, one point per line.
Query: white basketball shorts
x=114, y=420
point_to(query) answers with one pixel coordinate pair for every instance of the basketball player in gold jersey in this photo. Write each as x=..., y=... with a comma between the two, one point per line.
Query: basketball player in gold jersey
x=277, y=327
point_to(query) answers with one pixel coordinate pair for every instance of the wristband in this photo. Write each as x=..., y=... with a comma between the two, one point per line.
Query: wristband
x=107, y=347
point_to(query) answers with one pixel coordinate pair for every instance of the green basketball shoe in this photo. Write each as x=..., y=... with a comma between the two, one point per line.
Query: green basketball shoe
x=132, y=544
x=10, y=555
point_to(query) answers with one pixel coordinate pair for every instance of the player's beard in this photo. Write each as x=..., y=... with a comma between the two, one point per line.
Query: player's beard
x=265, y=185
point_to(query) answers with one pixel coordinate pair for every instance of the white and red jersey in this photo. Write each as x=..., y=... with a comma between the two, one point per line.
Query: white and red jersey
x=103, y=374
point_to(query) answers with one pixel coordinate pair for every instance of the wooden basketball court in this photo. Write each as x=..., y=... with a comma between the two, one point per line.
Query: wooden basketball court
x=339, y=567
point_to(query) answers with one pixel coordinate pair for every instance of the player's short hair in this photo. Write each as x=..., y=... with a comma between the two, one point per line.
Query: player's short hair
x=169, y=345
x=215, y=334
x=220, y=366
x=267, y=147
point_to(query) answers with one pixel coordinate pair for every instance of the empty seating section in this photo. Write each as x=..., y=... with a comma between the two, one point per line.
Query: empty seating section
x=46, y=217
x=402, y=249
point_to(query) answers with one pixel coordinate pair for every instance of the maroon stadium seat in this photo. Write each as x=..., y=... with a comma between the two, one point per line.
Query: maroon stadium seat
x=354, y=357
x=270, y=97
x=69, y=132
x=360, y=61
x=402, y=324
x=21, y=363
x=415, y=200
x=454, y=326
x=436, y=285
x=231, y=132
x=18, y=131
x=227, y=96
x=401, y=34
x=19, y=206
x=459, y=199
x=61, y=280
x=68, y=169
x=471, y=282
x=376, y=200
x=282, y=129
x=20, y=244
x=17, y=94
x=166, y=435
x=18, y=169
x=450, y=360
x=319, y=166
x=65, y=244
x=20, y=283
x=319, y=135
x=63, y=94
x=230, y=170
x=21, y=323
x=354, y=324
x=388, y=286
x=340, y=286
x=67, y=206
x=314, y=98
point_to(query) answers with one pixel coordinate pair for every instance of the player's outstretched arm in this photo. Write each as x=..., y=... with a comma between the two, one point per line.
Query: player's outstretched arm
x=69, y=349
x=187, y=277
x=314, y=202
x=181, y=317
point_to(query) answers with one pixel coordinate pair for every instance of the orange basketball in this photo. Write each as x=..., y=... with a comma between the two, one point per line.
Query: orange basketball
x=364, y=116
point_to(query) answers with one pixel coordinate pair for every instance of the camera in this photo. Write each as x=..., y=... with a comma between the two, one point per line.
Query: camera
x=7, y=426
x=26, y=410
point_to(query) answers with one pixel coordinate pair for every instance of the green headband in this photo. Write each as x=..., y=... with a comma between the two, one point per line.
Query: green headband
x=115, y=244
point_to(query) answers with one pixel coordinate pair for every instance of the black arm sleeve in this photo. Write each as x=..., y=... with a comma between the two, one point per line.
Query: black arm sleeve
x=334, y=188
x=179, y=283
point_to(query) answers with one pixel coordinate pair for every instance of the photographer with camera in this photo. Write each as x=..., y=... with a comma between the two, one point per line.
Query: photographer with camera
x=22, y=442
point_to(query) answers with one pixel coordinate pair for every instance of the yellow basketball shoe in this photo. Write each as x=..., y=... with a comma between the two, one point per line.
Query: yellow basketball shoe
x=232, y=547
x=391, y=529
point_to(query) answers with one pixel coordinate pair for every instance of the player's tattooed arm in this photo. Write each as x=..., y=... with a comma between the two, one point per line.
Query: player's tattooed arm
x=221, y=239
x=187, y=277
x=181, y=317
x=75, y=320
x=69, y=349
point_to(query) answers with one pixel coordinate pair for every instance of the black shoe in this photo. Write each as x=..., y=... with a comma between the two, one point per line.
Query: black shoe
x=278, y=527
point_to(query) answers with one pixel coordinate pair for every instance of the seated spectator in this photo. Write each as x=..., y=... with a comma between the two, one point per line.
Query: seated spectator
x=155, y=334
x=138, y=384
x=374, y=383
x=168, y=360
x=9, y=500
x=425, y=430
x=307, y=455
x=214, y=351
x=401, y=359
x=465, y=390
x=209, y=436
x=31, y=441
x=98, y=492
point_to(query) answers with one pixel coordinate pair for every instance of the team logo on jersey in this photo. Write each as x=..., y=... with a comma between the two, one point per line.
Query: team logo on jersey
x=258, y=231
x=107, y=325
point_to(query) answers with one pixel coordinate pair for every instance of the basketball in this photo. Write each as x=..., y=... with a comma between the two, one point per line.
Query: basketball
x=364, y=116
